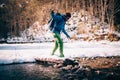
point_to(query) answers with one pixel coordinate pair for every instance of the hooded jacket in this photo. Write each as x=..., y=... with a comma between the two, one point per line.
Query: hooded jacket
x=59, y=25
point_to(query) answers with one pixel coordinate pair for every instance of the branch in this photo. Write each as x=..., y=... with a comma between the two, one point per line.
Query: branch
x=117, y=11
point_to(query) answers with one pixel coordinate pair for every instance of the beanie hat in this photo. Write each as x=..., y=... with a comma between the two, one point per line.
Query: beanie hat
x=68, y=15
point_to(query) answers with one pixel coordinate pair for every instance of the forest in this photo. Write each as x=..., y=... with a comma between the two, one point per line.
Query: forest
x=18, y=15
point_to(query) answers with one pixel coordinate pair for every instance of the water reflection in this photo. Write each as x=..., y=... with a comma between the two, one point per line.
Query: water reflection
x=29, y=71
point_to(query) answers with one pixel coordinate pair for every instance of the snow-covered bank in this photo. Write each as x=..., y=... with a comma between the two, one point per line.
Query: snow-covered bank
x=19, y=53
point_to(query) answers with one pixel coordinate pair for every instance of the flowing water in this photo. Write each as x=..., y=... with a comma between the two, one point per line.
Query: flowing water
x=28, y=71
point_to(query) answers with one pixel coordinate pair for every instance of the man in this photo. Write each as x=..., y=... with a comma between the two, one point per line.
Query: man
x=59, y=26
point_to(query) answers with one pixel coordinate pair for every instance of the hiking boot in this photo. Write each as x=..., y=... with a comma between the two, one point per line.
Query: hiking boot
x=52, y=54
x=61, y=55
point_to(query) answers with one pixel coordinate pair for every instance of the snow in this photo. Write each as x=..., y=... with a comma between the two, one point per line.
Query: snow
x=79, y=24
x=20, y=53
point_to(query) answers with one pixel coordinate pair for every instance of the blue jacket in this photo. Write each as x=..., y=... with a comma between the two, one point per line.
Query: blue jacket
x=59, y=25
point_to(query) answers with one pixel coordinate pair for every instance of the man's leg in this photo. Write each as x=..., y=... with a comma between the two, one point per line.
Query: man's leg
x=55, y=48
x=61, y=48
x=60, y=44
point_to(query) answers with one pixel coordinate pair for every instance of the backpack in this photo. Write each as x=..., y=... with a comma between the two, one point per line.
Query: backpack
x=51, y=24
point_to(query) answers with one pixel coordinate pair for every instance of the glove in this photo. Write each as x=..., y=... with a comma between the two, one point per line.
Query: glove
x=68, y=37
x=51, y=11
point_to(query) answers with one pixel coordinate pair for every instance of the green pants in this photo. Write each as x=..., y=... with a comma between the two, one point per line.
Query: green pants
x=58, y=43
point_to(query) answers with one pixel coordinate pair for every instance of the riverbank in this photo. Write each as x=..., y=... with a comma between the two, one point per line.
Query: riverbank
x=97, y=68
